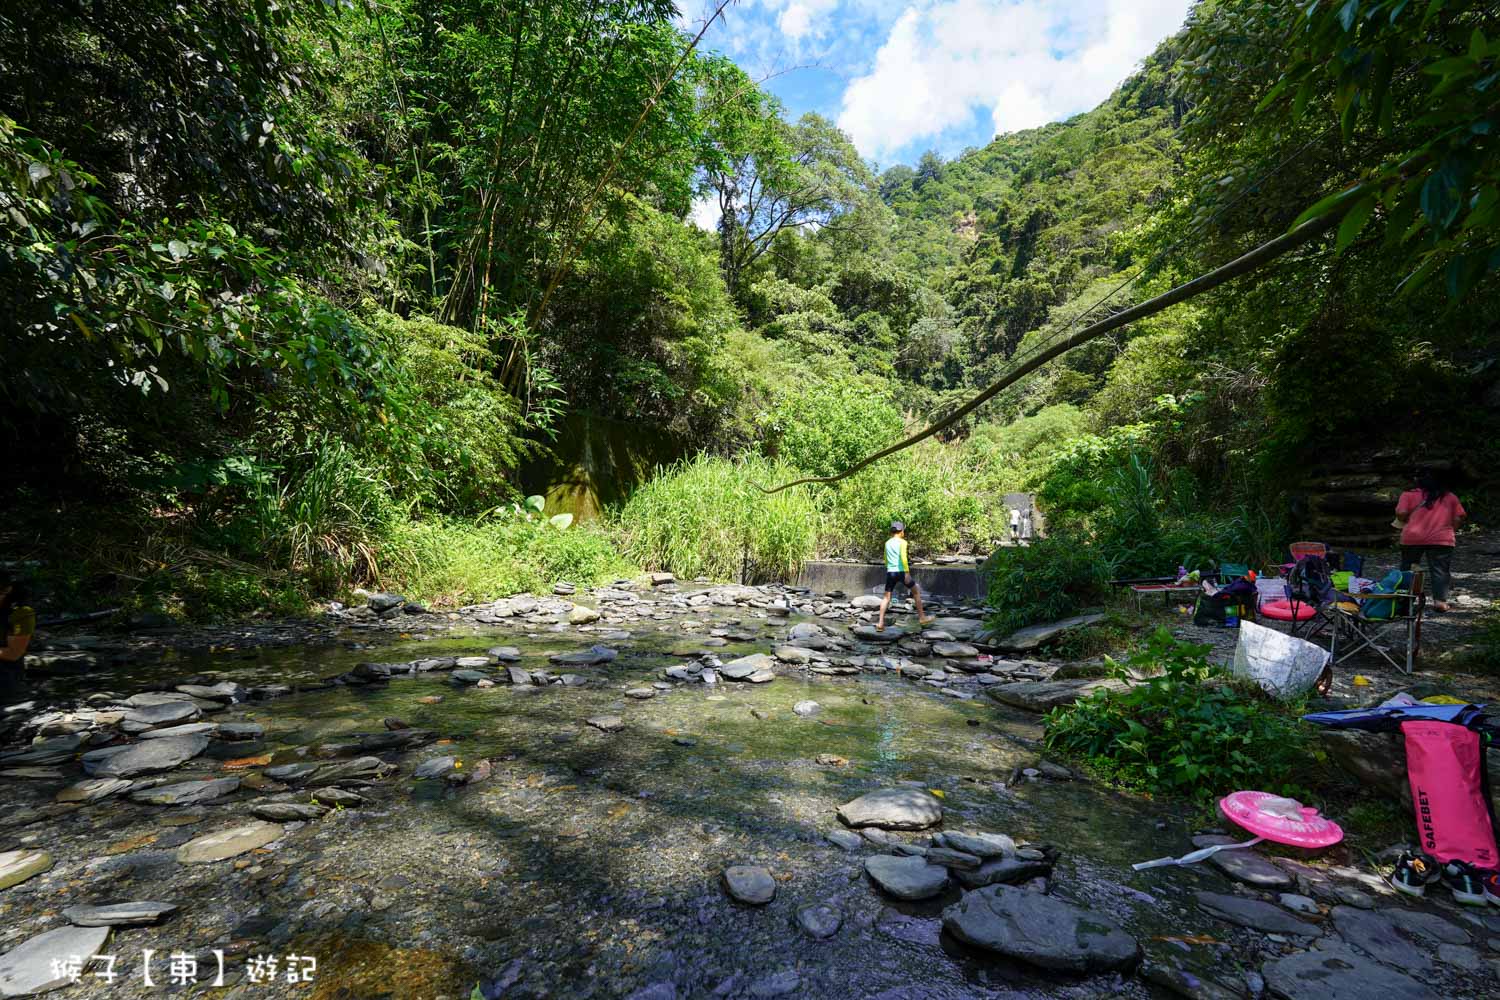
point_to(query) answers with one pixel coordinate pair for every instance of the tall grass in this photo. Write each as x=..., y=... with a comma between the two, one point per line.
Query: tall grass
x=450, y=562
x=702, y=517
x=930, y=488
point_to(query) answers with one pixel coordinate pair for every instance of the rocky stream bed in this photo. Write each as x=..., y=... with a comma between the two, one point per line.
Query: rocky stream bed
x=652, y=792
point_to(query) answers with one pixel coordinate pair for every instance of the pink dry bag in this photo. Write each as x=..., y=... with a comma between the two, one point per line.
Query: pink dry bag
x=1445, y=764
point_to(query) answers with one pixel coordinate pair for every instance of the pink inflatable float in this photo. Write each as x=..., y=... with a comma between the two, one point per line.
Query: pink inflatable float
x=1286, y=821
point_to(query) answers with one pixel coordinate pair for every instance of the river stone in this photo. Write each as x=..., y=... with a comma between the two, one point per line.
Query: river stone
x=187, y=729
x=847, y=839
x=820, y=920
x=954, y=650
x=468, y=676
x=806, y=708
x=291, y=772
x=232, y=842
x=287, y=812
x=868, y=602
x=1003, y=871
x=893, y=809
x=31, y=967
x=607, y=723
x=742, y=668
x=331, y=796
x=869, y=633
x=906, y=877
x=750, y=884
x=1245, y=865
x=793, y=654
x=18, y=866
x=1255, y=914
x=1339, y=973
x=949, y=858
x=1029, y=638
x=186, y=792
x=437, y=767
x=148, y=756
x=222, y=691
x=505, y=654
x=160, y=715
x=1420, y=923
x=984, y=845
x=1374, y=934
x=581, y=615
x=146, y=698
x=593, y=656
x=1040, y=930
x=119, y=914
x=93, y=789
x=1043, y=696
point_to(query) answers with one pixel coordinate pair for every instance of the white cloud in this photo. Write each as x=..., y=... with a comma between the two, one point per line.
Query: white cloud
x=705, y=213
x=1025, y=62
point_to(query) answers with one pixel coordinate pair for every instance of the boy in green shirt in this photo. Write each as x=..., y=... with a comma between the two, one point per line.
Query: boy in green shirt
x=898, y=570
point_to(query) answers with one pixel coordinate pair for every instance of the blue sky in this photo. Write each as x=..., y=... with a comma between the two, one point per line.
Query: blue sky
x=903, y=77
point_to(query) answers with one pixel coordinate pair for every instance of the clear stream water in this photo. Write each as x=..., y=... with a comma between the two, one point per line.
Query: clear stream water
x=589, y=864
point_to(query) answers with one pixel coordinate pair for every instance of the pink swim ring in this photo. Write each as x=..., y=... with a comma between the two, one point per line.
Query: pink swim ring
x=1283, y=820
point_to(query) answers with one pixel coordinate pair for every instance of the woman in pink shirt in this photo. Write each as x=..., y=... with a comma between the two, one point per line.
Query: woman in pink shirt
x=1430, y=515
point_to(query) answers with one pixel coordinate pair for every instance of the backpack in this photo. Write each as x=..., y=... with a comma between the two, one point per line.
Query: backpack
x=1309, y=581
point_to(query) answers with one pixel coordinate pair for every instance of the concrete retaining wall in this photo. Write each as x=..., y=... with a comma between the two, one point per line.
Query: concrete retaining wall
x=950, y=582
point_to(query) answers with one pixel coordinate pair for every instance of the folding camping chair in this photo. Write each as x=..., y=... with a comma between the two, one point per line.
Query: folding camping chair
x=1364, y=621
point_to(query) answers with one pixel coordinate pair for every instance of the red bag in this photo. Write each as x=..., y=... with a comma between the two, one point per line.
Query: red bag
x=1445, y=764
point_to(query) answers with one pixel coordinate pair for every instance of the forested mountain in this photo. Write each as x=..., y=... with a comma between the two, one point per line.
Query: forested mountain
x=297, y=292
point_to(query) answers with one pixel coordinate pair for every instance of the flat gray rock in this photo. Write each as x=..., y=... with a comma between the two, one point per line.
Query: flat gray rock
x=750, y=884
x=163, y=714
x=18, y=866
x=186, y=792
x=1422, y=924
x=793, y=654
x=906, y=877
x=593, y=656
x=291, y=772
x=870, y=634
x=607, y=723
x=743, y=668
x=954, y=650
x=223, y=844
x=1040, y=930
x=1246, y=865
x=820, y=921
x=288, y=812
x=1043, y=696
x=437, y=767
x=1003, y=871
x=984, y=845
x=31, y=966
x=119, y=914
x=186, y=729
x=1371, y=932
x=1339, y=974
x=237, y=731
x=93, y=789
x=147, y=757
x=1029, y=638
x=846, y=839
x=893, y=809
x=1255, y=914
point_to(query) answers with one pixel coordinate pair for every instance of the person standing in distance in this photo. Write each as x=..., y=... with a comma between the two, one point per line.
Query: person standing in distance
x=898, y=570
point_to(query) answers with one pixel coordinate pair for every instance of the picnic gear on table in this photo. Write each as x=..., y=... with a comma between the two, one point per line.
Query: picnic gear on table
x=1394, y=606
x=1269, y=817
x=1445, y=765
x=1280, y=819
x=1282, y=664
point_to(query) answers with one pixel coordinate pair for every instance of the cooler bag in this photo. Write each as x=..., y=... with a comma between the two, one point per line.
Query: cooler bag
x=1445, y=765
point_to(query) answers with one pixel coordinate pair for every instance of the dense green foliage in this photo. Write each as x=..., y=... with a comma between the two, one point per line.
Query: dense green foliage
x=1185, y=731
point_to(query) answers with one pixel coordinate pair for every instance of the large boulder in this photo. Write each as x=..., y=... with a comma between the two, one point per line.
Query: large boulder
x=1040, y=930
x=893, y=809
x=1033, y=636
x=146, y=757
x=1043, y=696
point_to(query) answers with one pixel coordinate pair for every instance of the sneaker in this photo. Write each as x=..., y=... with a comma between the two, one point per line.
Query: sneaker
x=1414, y=873
x=1466, y=884
x=1492, y=887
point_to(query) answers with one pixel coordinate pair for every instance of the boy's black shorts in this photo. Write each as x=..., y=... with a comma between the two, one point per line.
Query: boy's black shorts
x=891, y=579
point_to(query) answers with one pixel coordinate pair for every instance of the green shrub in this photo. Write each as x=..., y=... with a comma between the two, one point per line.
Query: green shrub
x=928, y=488
x=702, y=517
x=1189, y=731
x=447, y=562
x=826, y=425
x=1053, y=577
